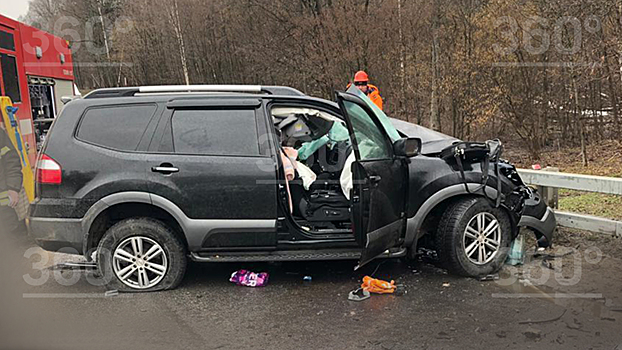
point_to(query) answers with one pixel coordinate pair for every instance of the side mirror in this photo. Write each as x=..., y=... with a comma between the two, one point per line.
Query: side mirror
x=407, y=147
x=66, y=99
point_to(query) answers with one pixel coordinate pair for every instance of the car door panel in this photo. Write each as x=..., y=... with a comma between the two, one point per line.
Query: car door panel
x=379, y=191
x=225, y=193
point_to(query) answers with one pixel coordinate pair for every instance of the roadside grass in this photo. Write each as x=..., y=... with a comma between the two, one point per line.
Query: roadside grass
x=597, y=204
x=605, y=159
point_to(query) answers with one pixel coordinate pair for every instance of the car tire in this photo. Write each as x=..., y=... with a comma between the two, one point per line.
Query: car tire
x=468, y=241
x=141, y=255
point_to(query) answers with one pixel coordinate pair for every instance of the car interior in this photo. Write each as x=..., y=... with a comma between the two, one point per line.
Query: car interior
x=317, y=154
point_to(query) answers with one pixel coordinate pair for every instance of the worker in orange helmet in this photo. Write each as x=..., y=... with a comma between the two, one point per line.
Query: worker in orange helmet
x=361, y=81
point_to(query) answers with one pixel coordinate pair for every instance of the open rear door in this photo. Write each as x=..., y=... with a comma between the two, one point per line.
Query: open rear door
x=379, y=180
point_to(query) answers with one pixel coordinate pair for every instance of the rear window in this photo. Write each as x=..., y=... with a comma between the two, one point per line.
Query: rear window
x=215, y=132
x=118, y=127
x=10, y=77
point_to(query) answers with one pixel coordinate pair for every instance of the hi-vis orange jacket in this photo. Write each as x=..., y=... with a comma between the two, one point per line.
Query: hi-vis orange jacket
x=374, y=95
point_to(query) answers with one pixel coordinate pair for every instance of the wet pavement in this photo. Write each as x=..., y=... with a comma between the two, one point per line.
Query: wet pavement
x=434, y=310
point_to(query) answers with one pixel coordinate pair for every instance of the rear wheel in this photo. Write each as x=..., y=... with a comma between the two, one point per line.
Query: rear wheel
x=141, y=255
x=473, y=237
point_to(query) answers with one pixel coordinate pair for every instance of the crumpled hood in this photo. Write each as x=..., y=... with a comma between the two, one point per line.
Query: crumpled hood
x=432, y=142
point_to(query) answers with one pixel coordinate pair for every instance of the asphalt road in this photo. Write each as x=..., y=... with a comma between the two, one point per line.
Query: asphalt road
x=435, y=310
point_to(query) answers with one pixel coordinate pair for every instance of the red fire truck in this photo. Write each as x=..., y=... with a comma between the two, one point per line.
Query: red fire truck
x=37, y=70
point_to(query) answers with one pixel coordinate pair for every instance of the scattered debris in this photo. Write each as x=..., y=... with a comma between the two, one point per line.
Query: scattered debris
x=75, y=266
x=427, y=255
x=501, y=334
x=356, y=296
x=249, y=279
x=517, y=251
x=377, y=286
x=532, y=333
x=548, y=264
x=494, y=277
x=400, y=289
x=552, y=256
x=545, y=321
x=111, y=293
x=446, y=285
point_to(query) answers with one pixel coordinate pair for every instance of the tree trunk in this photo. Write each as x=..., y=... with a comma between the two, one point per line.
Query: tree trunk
x=402, y=59
x=176, y=22
x=612, y=93
x=579, y=115
x=435, y=116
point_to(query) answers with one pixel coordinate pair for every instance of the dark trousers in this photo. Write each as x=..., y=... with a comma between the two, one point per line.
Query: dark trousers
x=8, y=219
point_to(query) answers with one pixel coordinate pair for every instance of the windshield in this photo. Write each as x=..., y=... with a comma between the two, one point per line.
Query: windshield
x=383, y=118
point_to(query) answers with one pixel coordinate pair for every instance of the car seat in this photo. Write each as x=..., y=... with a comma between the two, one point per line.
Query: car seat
x=325, y=201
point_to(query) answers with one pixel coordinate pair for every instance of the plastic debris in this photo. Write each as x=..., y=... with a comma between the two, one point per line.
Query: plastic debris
x=377, y=286
x=355, y=296
x=307, y=278
x=249, y=278
x=488, y=278
x=517, y=251
x=446, y=285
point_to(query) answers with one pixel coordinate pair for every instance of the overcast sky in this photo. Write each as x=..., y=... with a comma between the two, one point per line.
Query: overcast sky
x=13, y=8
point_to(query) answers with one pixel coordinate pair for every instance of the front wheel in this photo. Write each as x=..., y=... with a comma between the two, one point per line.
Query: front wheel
x=141, y=255
x=473, y=237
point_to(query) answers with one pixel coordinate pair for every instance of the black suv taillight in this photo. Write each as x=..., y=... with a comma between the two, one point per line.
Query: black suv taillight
x=49, y=172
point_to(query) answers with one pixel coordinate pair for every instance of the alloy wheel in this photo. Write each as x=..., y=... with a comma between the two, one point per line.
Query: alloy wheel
x=482, y=238
x=140, y=262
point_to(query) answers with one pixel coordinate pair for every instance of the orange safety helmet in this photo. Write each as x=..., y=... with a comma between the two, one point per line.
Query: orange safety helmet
x=361, y=77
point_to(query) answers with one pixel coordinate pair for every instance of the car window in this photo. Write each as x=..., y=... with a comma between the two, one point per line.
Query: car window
x=382, y=117
x=371, y=142
x=116, y=127
x=215, y=132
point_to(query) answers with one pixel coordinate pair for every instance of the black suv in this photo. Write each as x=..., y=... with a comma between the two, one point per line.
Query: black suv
x=143, y=179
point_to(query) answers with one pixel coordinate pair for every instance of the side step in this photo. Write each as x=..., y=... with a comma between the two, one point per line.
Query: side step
x=291, y=255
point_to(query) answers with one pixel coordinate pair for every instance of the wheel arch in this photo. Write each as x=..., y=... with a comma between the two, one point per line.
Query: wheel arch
x=438, y=201
x=120, y=206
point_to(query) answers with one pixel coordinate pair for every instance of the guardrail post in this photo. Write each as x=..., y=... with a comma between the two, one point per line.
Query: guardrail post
x=550, y=194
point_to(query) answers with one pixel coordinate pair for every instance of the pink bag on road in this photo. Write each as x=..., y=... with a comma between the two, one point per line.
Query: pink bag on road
x=249, y=278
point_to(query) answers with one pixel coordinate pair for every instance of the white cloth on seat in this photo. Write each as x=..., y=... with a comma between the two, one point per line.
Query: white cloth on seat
x=306, y=174
x=346, y=176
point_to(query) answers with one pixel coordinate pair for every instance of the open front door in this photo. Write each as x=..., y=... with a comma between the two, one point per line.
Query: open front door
x=379, y=180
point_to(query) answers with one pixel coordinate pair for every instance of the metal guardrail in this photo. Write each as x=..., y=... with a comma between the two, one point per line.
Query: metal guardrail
x=600, y=184
x=551, y=180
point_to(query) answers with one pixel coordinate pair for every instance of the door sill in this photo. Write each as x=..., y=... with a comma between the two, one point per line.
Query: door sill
x=292, y=255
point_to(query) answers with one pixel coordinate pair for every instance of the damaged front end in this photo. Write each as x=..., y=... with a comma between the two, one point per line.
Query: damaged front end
x=525, y=204
x=539, y=218
x=536, y=216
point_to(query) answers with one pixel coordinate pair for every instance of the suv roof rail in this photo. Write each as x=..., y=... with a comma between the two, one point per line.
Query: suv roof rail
x=175, y=89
